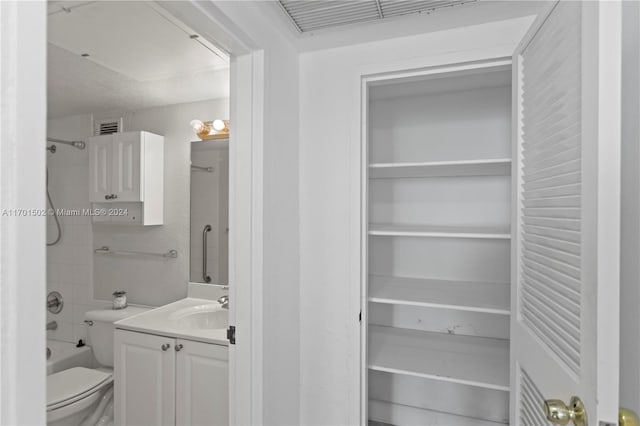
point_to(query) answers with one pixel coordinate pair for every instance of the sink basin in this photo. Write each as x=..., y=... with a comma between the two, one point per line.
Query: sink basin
x=206, y=316
x=204, y=320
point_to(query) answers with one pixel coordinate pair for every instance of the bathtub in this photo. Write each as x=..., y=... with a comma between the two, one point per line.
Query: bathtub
x=65, y=355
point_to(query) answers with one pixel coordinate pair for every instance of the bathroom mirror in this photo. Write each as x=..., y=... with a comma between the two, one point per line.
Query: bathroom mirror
x=210, y=212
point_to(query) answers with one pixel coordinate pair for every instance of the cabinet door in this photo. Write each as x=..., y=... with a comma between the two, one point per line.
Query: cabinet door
x=566, y=247
x=144, y=375
x=202, y=383
x=100, y=160
x=126, y=166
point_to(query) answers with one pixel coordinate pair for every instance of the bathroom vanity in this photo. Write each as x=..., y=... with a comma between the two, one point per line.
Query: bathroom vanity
x=171, y=365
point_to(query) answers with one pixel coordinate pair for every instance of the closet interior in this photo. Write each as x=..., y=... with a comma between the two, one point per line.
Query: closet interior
x=438, y=208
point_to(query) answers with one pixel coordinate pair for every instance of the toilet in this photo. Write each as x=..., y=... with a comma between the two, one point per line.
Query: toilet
x=84, y=396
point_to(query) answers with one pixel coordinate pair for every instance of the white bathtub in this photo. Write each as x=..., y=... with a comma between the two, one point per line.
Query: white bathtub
x=65, y=355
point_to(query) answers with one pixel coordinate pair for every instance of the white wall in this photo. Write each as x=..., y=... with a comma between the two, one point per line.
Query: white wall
x=151, y=281
x=630, y=221
x=86, y=279
x=329, y=200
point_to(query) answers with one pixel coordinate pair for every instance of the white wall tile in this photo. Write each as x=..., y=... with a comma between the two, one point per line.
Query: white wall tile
x=64, y=332
x=79, y=311
x=79, y=332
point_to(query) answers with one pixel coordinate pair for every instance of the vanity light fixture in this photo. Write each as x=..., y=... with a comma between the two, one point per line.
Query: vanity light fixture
x=217, y=129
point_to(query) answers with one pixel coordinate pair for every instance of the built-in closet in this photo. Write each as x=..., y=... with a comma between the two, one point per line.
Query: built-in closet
x=438, y=243
x=490, y=231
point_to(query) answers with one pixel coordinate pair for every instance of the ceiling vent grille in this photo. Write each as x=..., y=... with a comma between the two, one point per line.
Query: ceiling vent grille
x=107, y=126
x=310, y=15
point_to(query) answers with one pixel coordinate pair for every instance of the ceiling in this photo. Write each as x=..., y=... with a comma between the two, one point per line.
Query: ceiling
x=124, y=56
x=314, y=15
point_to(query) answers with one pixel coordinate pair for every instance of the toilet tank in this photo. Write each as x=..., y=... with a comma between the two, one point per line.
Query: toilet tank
x=100, y=330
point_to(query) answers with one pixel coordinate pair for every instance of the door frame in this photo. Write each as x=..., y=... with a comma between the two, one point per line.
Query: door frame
x=23, y=40
x=245, y=199
x=23, y=238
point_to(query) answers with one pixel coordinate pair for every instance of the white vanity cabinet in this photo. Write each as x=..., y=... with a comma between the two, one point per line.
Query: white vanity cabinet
x=202, y=384
x=166, y=381
x=126, y=171
x=144, y=379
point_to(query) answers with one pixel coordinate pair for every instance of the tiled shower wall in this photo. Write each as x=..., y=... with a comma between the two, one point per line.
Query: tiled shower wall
x=69, y=262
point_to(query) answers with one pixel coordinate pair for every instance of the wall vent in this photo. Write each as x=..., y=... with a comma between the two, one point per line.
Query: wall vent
x=107, y=126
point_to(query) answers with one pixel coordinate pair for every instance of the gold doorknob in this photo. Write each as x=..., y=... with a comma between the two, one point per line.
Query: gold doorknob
x=558, y=413
x=627, y=417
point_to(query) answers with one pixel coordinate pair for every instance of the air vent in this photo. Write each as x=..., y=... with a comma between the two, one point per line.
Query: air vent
x=310, y=15
x=107, y=126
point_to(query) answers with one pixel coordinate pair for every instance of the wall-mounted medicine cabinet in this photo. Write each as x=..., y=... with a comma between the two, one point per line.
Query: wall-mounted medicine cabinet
x=126, y=172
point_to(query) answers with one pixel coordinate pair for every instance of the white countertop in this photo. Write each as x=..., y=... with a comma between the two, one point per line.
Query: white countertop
x=158, y=321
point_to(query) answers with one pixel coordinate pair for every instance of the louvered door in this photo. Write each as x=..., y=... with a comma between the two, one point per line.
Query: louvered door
x=564, y=330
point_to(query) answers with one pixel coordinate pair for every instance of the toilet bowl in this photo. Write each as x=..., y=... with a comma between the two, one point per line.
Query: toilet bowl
x=76, y=395
x=82, y=396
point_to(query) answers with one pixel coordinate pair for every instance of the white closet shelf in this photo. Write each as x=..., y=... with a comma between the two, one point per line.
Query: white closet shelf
x=488, y=167
x=485, y=297
x=380, y=410
x=485, y=232
x=475, y=361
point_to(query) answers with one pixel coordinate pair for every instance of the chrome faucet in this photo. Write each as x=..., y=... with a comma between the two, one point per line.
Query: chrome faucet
x=52, y=325
x=224, y=301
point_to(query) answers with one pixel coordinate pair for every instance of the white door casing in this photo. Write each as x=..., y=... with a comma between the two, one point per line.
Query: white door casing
x=246, y=114
x=566, y=226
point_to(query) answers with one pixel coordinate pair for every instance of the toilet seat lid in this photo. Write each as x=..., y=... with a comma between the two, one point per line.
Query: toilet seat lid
x=69, y=385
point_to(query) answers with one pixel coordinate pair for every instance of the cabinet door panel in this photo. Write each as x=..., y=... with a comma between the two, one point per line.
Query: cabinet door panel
x=127, y=166
x=100, y=159
x=144, y=379
x=202, y=382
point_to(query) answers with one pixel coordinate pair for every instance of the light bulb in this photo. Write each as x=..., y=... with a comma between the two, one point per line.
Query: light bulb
x=197, y=125
x=219, y=125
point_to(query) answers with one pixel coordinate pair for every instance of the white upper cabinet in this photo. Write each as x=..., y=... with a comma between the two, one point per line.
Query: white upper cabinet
x=565, y=322
x=127, y=169
x=127, y=178
x=100, y=167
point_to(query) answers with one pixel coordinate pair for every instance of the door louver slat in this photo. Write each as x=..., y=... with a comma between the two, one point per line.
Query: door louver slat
x=531, y=413
x=551, y=195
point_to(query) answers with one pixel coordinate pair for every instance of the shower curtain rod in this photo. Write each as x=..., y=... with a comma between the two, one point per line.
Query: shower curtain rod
x=77, y=144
